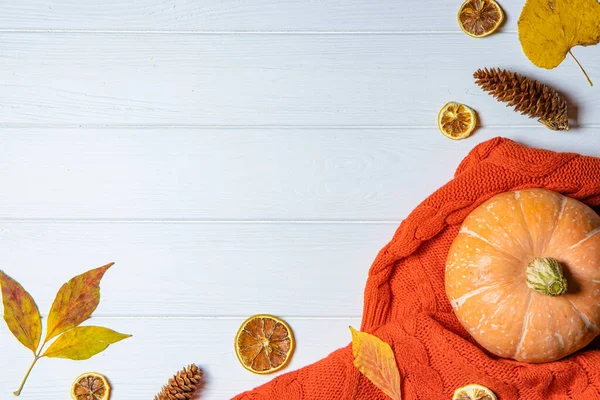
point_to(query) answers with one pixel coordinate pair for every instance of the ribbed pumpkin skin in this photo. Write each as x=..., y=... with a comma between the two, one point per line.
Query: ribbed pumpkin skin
x=485, y=275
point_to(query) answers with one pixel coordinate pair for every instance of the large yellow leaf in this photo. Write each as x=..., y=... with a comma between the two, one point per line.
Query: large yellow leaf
x=75, y=301
x=375, y=359
x=21, y=313
x=548, y=29
x=83, y=342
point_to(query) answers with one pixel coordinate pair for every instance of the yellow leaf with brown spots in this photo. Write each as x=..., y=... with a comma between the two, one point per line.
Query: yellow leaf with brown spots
x=21, y=313
x=375, y=359
x=75, y=301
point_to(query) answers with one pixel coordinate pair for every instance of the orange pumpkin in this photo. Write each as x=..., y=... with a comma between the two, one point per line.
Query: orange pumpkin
x=523, y=275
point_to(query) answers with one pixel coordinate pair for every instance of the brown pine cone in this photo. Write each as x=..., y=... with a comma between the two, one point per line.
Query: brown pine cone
x=182, y=386
x=526, y=95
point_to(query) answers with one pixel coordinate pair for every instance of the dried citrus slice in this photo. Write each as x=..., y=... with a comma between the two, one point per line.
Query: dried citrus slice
x=90, y=386
x=479, y=18
x=456, y=120
x=474, y=392
x=264, y=344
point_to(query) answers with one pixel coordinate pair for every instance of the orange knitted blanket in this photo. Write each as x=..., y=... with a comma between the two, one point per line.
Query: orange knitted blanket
x=405, y=302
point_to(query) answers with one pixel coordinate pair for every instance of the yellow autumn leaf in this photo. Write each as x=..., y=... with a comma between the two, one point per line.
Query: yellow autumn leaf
x=75, y=302
x=21, y=313
x=549, y=29
x=375, y=359
x=83, y=342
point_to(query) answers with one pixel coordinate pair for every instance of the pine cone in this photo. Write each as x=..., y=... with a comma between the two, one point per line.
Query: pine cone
x=182, y=386
x=526, y=95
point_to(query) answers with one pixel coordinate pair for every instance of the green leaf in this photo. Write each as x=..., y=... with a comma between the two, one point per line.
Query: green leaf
x=83, y=342
x=21, y=313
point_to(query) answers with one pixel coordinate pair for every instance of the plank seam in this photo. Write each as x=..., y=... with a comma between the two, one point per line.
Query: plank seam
x=235, y=33
x=196, y=221
x=256, y=127
x=215, y=317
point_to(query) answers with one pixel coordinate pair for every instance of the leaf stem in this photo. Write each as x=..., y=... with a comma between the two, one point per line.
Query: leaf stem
x=18, y=392
x=580, y=66
x=36, y=356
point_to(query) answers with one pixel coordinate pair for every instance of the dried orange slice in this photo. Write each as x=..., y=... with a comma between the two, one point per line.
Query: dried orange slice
x=479, y=18
x=474, y=392
x=457, y=121
x=264, y=344
x=90, y=386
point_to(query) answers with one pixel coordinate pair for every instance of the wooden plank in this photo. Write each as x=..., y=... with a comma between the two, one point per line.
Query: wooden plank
x=264, y=80
x=217, y=174
x=240, y=15
x=231, y=174
x=248, y=174
x=200, y=269
x=139, y=366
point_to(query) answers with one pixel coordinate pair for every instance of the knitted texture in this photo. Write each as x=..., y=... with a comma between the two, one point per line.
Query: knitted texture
x=405, y=302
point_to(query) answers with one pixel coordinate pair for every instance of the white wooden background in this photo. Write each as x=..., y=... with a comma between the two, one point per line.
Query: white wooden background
x=233, y=157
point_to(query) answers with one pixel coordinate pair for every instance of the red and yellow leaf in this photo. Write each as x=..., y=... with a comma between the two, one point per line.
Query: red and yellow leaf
x=21, y=313
x=83, y=342
x=375, y=359
x=75, y=301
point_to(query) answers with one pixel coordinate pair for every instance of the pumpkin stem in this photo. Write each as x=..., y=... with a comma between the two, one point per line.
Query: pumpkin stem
x=545, y=276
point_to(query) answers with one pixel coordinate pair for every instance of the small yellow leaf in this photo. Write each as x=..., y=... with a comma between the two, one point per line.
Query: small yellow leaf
x=548, y=29
x=75, y=301
x=375, y=359
x=83, y=342
x=21, y=313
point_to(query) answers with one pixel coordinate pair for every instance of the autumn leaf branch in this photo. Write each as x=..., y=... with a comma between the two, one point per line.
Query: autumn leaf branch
x=75, y=302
